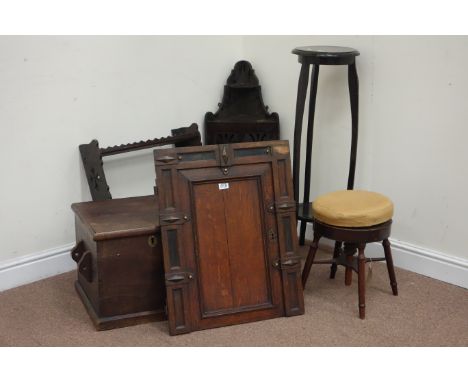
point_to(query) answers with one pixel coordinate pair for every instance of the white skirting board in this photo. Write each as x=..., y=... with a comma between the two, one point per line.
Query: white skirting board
x=450, y=269
x=420, y=260
x=36, y=266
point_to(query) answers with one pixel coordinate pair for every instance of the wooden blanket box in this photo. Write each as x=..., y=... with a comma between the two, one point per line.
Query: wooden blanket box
x=119, y=255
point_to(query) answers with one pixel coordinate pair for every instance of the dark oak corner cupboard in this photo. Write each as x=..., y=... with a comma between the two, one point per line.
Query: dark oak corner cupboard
x=228, y=230
x=242, y=116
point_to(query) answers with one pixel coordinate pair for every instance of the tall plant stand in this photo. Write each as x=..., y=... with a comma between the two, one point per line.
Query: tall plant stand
x=316, y=56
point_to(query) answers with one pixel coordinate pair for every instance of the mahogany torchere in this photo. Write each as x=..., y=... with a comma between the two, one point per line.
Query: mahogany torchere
x=228, y=230
x=316, y=56
x=242, y=115
x=119, y=257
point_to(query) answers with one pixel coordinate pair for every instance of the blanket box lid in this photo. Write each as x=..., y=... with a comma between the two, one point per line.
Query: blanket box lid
x=118, y=218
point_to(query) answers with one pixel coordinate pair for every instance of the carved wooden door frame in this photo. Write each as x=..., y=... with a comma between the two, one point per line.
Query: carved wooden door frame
x=178, y=170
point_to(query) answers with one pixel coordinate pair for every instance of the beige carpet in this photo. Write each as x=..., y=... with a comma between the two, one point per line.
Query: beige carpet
x=426, y=313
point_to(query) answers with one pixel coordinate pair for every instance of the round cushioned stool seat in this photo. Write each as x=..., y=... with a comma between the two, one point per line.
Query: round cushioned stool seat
x=352, y=208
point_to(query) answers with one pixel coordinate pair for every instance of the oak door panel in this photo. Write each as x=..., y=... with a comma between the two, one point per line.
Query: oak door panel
x=247, y=252
x=214, y=271
x=231, y=251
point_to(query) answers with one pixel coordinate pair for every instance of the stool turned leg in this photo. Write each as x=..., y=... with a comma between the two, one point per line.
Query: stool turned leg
x=391, y=270
x=310, y=259
x=349, y=250
x=310, y=137
x=362, y=281
x=300, y=103
x=336, y=254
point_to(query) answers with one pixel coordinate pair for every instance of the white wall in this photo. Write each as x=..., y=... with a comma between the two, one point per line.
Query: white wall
x=59, y=92
x=413, y=126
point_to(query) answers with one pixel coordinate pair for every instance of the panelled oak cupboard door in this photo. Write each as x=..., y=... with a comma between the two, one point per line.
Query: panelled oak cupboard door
x=229, y=234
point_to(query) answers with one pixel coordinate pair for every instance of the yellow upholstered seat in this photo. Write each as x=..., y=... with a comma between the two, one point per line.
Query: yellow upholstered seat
x=352, y=208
